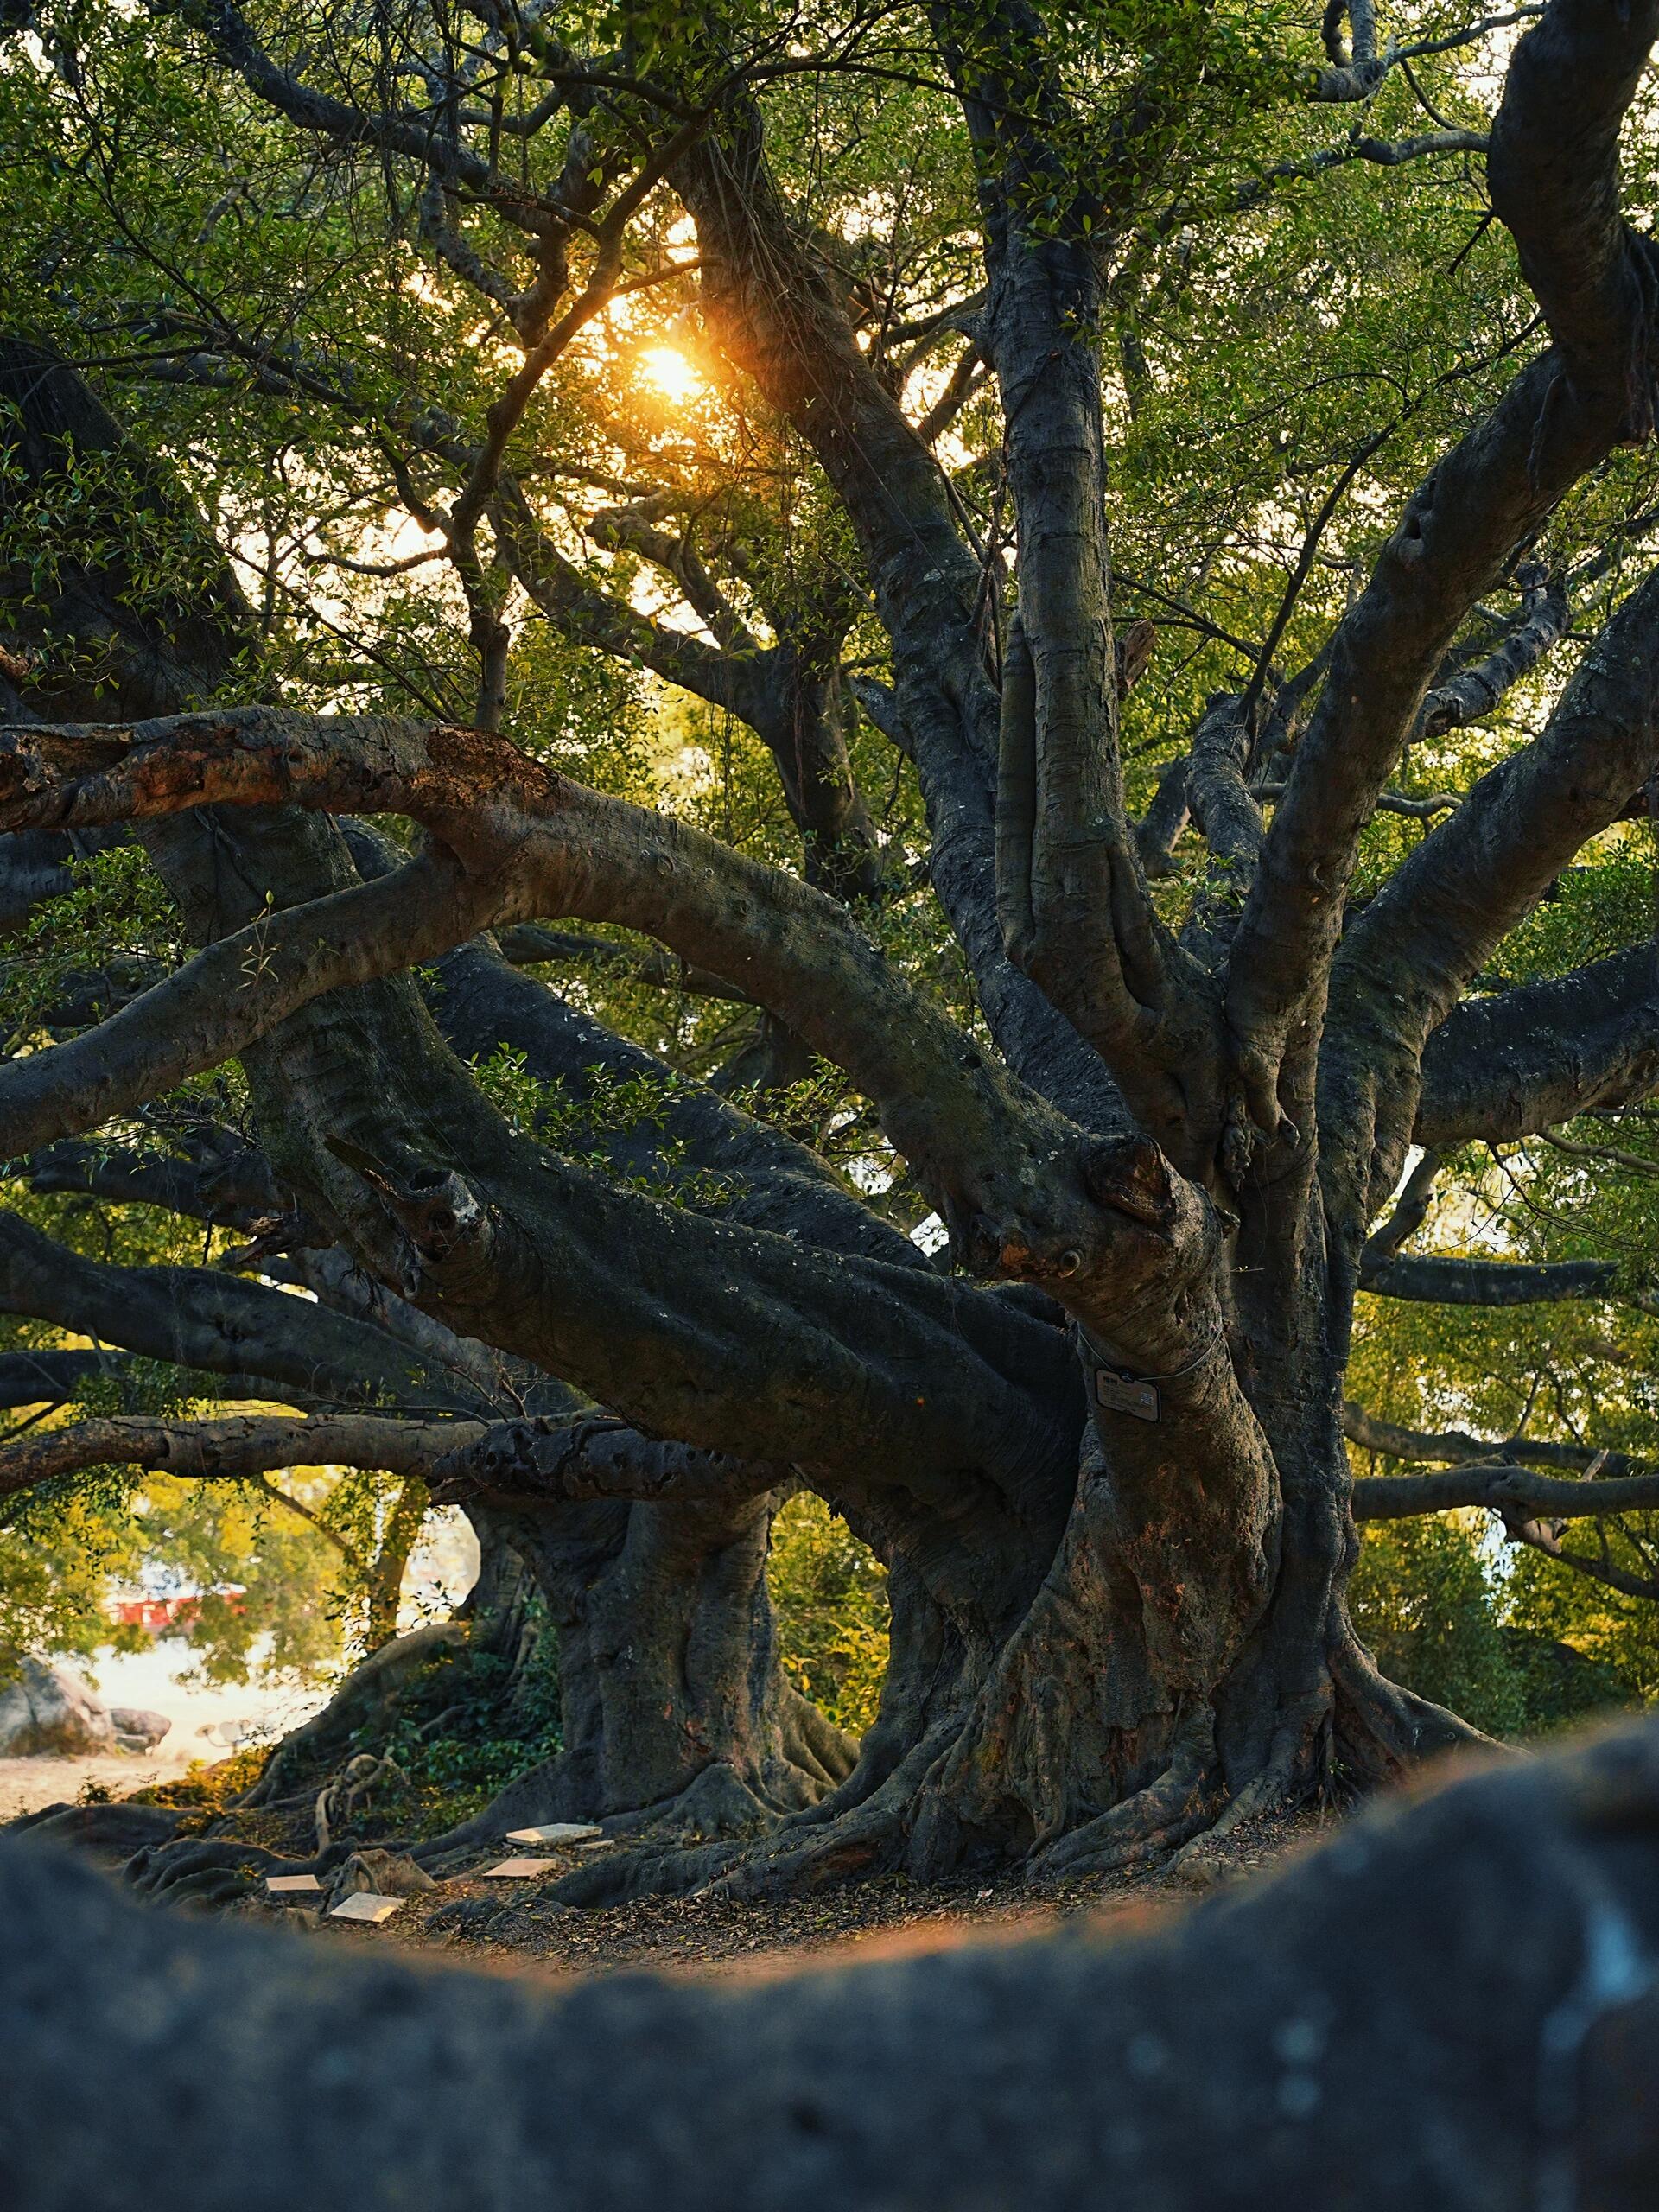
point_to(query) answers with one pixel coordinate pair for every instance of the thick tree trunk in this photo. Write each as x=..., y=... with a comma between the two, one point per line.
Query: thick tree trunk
x=1185, y=1659
x=1190, y=1659
x=677, y=1719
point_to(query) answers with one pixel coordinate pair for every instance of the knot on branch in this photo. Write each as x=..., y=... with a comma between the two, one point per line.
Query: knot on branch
x=448, y=1229
x=1010, y=1250
x=533, y=1455
x=1132, y=1177
x=442, y=1218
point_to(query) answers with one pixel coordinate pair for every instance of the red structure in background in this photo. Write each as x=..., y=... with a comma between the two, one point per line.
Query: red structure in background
x=171, y=1616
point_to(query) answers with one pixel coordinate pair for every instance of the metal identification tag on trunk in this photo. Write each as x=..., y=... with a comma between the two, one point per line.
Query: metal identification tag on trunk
x=1122, y=1394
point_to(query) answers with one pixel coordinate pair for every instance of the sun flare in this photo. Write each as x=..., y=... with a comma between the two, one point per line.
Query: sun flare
x=668, y=371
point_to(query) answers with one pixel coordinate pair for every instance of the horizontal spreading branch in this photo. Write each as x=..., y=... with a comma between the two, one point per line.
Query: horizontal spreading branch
x=49, y=1377
x=1517, y=1493
x=1521, y=1061
x=732, y=1337
x=236, y=991
x=1602, y=1568
x=1011, y=1176
x=1382, y=153
x=1430, y=1279
x=739, y=682
x=236, y=1449
x=203, y=1172
x=198, y=1319
x=566, y=1462
x=1455, y=1447
x=52, y=1377
x=536, y=1464
x=339, y=1283
x=1535, y=1507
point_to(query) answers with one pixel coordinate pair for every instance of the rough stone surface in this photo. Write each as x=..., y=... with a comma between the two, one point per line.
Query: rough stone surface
x=47, y=1712
x=1452, y=2007
x=136, y=1720
x=379, y=1873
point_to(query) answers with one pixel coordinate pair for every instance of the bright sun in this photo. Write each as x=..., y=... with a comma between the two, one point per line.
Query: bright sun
x=670, y=373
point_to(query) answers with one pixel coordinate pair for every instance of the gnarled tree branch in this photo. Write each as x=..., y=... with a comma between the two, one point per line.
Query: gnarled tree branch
x=1520, y=1061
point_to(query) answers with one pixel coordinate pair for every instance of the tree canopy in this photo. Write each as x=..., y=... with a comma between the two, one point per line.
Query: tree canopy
x=893, y=754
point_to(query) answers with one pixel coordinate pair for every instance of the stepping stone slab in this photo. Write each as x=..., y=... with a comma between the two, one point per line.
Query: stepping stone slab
x=365, y=1906
x=556, y=1832
x=292, y=1885
x=520, y=1870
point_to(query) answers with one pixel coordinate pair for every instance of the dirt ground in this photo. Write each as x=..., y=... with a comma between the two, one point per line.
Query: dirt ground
x=206, y=1718
x=26, y=1785
x=518, y=1924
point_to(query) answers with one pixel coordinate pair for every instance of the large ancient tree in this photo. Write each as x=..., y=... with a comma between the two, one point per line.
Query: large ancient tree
x=1104, y=1456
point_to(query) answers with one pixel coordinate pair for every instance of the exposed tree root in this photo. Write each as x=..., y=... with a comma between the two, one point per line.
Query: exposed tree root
x=863, y=1835
x=1383, y=1730
x=722, y=1836
x=1180, y=1817
x=119, y=1828
x=1183, y=1800
x=814, y=1743
x=717, y=1802
x=204, y=1870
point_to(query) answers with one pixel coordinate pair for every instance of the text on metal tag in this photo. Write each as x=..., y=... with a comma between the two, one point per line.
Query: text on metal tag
x=1122, y=1394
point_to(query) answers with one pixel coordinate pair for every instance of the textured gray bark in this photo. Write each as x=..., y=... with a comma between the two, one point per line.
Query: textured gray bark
x=1452, y=2007
x=673, y=1705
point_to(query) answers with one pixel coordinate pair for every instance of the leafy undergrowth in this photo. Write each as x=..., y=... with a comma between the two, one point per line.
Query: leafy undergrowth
x=205, y=1793
x=473, y=1724
x=208, y=1789
x=459, y=1730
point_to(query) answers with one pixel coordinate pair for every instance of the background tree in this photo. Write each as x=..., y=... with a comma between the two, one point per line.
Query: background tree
x=1151, y=971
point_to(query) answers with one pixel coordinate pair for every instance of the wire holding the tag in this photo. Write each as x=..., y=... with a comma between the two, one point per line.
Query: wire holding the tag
x=1121, y=1390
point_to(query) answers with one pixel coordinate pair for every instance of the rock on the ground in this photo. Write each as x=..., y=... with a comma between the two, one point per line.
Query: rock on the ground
x=47, y=1711
x=383, y=1874
x=138, y=1729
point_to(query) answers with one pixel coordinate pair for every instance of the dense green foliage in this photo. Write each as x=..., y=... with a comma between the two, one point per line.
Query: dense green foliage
x=831, y=1601
x=1299, y=331
x=473, y=1722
